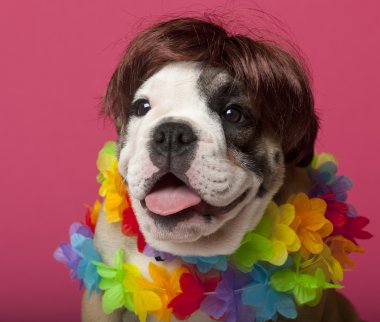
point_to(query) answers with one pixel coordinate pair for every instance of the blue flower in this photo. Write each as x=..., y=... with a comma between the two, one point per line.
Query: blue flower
x=79, y=255
x=205, y=264
x=87, y=271
x=267, y=302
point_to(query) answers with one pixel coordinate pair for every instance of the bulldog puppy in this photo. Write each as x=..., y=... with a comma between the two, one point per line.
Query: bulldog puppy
x=211, y=127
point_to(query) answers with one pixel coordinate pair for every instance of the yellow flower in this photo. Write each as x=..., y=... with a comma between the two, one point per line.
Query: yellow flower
x=326, y=262
x=165, y=285
x=283, y=237
x=310, y=223
x=106, y=159
x=112, y=187
x=341, y=248
x=114, y=191
x=144, y=300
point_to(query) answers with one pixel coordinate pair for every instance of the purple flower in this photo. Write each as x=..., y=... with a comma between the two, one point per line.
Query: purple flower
x=326, y=182
x=226, y=300
x=65, y=254
x=340, y=186
x=151, y=252
x=79, y=256
x=78, y=228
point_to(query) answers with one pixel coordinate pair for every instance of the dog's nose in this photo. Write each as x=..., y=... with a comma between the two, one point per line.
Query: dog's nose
x=173, y=139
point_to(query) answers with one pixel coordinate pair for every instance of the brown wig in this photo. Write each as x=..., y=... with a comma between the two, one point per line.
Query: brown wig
x=276, y=82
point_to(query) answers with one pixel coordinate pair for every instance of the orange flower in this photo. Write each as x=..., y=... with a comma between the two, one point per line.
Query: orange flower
x=166, y=285
x=341, y=248
x=310, y=223
x=92, y=214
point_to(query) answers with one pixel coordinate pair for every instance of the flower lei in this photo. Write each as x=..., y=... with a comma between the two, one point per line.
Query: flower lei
x=297, y=250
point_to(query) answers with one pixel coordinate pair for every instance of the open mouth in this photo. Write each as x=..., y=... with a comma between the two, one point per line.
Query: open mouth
x=170, y=196
x=171, y=201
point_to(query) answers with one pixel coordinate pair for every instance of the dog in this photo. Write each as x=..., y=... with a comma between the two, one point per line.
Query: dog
x=211, y=127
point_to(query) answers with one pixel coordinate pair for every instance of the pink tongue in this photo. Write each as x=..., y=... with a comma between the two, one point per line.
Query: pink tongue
x=171, y=199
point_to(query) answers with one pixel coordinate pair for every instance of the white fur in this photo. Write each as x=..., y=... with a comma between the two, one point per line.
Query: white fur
x=173, y=95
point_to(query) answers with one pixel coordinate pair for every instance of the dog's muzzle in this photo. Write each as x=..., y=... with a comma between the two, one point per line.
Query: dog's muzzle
x=173, y=147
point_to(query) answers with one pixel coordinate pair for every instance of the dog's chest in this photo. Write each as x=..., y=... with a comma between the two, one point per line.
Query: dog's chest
x=109, y=239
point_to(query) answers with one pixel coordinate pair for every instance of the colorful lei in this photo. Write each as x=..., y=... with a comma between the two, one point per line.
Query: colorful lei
x=297, y=250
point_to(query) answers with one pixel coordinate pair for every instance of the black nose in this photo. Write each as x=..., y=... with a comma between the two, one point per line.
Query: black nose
x=173, y=139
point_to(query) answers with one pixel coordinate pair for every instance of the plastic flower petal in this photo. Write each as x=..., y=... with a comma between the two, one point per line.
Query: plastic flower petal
x=321, y=159
x=253, y=248
x=158, y=255
x=192, y=295
x=340, y=214
x=226, y=300
x=66, y=254
x=165, y=285
x=86, y=269
x=112, y=283
x=267, y=302
x=205, y=264
x=283, y=238
x=146, y=301
x=352, y=228
x=327, y=262
x=341, y=248
x=106, y=159
x=92, y=215
x=79, y=254
x=71, y=253
x=122, y=290
x=340, y=186
x=130, y=227
x=80, y=229
x=114, y=192
x=310, y=223
x=305, y=288
x=112, y=187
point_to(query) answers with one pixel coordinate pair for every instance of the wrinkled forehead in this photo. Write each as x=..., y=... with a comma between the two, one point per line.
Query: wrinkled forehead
x=187, y=82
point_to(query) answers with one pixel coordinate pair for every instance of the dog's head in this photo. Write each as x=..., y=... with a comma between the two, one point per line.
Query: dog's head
x=207, y=124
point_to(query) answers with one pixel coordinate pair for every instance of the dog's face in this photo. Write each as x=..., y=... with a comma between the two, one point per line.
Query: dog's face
x=199, y=165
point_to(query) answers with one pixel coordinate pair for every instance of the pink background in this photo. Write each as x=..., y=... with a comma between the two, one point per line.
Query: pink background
x=55, y=60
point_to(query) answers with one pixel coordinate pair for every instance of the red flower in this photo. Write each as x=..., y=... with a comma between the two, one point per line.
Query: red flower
x=130, y=227
x=353, y=228
x=141, y=243
x=193, y=294
x=344, y=225
x=89, y=221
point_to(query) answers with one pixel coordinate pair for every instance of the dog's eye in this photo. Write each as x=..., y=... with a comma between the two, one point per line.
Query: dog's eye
x=142, y=107
x=233, y=114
